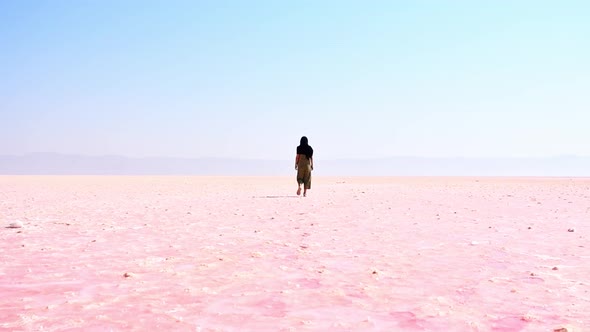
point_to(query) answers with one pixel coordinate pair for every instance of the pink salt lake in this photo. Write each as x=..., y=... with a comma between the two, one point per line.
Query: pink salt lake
x=247, y=254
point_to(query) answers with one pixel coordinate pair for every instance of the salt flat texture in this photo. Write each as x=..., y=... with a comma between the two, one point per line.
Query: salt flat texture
x=358, y=254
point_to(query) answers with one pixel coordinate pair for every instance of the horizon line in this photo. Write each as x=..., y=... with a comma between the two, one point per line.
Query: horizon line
x=269, y=159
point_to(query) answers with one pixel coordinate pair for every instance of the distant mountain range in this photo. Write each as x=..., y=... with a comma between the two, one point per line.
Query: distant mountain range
x=62, y=164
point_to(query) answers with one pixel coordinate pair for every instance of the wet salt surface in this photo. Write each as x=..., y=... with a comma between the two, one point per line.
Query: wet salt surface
x=358, y=254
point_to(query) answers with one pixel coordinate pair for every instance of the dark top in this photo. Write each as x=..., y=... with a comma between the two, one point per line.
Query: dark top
x=306, y=150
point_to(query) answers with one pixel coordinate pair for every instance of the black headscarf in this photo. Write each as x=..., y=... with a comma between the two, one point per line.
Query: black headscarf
x=304, y=148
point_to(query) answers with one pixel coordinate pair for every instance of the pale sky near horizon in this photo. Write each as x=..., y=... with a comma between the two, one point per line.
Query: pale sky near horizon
x=246, y=79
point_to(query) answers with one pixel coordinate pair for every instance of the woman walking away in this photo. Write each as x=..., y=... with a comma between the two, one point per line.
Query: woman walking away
x=304, y=166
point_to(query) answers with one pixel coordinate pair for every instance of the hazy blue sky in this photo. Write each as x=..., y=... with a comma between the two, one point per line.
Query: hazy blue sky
x=246, y=79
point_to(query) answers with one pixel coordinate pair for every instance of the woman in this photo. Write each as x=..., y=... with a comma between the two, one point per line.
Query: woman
x=304, y=166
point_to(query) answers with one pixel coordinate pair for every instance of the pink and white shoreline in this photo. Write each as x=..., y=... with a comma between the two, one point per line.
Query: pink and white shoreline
x=181, y=253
